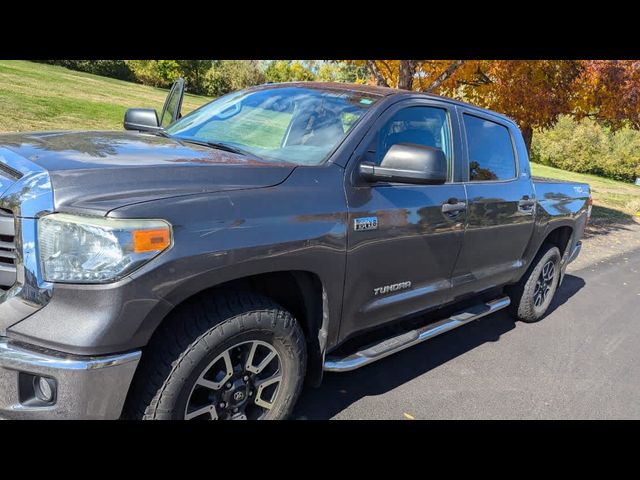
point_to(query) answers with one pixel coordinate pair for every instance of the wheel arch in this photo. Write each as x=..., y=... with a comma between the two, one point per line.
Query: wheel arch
x=559, y=236
x=558, y=233
x=300, y=292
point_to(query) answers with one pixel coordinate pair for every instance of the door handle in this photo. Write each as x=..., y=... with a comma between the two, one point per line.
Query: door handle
x=453, y=208
x=526, y=205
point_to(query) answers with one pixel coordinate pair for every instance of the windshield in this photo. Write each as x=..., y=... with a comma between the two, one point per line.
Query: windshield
x=293, y=124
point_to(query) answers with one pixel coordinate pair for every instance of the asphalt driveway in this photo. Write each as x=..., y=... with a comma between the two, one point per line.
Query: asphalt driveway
x=580, y=362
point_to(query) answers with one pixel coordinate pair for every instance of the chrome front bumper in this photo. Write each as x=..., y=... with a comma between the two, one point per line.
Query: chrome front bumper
x=85, y=387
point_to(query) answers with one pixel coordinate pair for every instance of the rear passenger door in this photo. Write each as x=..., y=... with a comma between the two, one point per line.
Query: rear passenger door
x=500, y=195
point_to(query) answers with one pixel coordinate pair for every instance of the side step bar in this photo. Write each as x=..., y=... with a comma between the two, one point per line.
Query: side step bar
x=413, y=337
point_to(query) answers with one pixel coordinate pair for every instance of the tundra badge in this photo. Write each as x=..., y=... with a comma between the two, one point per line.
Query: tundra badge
x=365, y=223
x=392, y=288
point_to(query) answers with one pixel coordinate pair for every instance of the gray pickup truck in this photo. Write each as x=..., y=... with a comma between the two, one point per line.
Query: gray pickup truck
x=205, y=266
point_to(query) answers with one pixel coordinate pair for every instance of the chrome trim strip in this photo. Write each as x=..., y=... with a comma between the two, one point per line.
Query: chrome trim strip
x=9, y=255
x=575, y=252
x=7, y=273
x=17, y=163
x=17, y=358
x=7, y=225
x=361, y=358
x=28, y=198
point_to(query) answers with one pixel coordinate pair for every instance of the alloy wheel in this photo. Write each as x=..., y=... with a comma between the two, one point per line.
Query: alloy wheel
x=544, y=284
x=242, y=383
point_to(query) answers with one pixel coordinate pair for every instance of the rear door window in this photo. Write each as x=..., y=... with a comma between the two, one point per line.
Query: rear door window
x=491, y=155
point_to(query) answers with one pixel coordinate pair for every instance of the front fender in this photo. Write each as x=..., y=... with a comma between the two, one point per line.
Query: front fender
x=297, y=226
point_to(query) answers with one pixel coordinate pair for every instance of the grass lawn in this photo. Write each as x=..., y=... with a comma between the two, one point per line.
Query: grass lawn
x=613, y=201
x=36, y=97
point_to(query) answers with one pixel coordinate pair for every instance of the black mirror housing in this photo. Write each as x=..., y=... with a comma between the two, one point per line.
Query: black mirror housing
x=142, y=119
x=408, y=163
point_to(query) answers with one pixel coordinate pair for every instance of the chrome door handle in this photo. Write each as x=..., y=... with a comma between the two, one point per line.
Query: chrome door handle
x=453, y=207
x=526, y=206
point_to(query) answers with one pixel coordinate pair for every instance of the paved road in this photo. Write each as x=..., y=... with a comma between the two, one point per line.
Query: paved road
x=581, y=361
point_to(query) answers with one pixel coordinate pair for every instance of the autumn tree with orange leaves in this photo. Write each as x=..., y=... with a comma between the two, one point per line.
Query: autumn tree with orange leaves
x=532, y=92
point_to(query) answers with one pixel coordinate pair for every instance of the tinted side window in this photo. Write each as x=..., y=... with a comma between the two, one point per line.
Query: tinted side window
x=491, y=154
x=428, y=126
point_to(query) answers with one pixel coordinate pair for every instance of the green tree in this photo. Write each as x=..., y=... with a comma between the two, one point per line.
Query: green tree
x=288, y=71
x=335, y=71
x=228, y=75
x=194, y=72
x=158, y=73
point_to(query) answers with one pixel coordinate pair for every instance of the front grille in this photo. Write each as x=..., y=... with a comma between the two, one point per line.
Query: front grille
x=12, y=173
x=7, y=250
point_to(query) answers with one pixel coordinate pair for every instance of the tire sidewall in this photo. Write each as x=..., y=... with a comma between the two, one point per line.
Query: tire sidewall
x=178, y=388
x=554, y=255
x=527, y=310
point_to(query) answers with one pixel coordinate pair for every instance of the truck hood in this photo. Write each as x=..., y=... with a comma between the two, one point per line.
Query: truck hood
x=100, y=171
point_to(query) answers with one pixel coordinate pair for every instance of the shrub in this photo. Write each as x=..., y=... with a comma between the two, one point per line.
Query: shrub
x=588, y=147
x=228, y=75
x=158, y=73
x=106, y=68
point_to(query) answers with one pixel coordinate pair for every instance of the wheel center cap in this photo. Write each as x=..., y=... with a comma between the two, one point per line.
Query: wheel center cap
x=239, y=395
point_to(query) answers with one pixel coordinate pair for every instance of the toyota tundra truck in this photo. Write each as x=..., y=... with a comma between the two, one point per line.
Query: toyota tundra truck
x=206, y=266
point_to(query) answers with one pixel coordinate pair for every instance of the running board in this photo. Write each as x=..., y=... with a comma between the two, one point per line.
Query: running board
x=413, y=337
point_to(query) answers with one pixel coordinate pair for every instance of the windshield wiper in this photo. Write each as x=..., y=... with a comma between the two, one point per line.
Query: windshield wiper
x=227, y=147
x=218, y=145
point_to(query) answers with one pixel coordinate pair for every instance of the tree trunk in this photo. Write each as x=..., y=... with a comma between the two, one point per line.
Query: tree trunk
x=373, y=69
x=444, y=75
x=527, y=135
x=406, y=72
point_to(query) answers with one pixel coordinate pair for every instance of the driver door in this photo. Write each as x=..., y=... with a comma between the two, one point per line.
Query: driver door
x=173, y=104
x=403, y=240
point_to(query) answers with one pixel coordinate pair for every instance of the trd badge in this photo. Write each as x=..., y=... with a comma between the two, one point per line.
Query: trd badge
x=365, y=223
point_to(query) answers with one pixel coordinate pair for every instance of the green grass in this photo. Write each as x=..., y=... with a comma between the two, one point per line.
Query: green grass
x=613, y=201
x=35, y=97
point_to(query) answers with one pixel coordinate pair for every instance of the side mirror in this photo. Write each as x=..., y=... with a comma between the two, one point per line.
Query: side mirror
x=408, y=163
x=143, y=119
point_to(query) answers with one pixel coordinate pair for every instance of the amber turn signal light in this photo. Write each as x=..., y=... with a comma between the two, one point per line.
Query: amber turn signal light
x=151, y=240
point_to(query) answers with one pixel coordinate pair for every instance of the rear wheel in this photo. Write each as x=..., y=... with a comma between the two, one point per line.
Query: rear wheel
x=531, y=297
x=233, y=357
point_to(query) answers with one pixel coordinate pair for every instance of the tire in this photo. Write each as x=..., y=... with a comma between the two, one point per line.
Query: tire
x=526, y=304
x=184, y=371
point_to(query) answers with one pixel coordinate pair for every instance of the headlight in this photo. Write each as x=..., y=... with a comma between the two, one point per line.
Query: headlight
x=77, y=249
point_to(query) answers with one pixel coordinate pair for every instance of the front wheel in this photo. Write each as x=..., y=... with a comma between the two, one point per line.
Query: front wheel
x=531, y=297
x=232, y=357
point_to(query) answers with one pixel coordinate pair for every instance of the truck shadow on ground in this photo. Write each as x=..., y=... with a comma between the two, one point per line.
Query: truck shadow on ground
x=339, y=390
x=607, y=220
